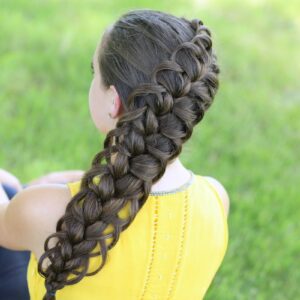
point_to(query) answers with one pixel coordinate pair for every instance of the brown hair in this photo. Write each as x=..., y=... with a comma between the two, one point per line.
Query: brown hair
x=166, y=74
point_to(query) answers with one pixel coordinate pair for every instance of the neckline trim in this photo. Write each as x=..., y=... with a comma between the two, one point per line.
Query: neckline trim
x=181, y=188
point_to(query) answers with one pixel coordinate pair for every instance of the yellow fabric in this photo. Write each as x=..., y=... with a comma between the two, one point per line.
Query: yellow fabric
x=172, y=250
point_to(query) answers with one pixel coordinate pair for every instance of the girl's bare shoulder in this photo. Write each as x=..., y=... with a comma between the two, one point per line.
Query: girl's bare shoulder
x=42, y=206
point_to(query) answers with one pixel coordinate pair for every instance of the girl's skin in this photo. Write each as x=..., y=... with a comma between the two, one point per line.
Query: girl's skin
x=53, y=177
x=10, y=179
x=38, y=207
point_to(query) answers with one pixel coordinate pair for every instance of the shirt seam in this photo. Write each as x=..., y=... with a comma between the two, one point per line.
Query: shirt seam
x=182, y=188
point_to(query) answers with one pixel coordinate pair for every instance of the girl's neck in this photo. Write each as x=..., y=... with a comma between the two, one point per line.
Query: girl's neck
x=175, y=175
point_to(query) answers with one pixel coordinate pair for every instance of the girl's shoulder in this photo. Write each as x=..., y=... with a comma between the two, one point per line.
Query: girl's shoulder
x=220, y=191
x=42, y=206
x=46, y=203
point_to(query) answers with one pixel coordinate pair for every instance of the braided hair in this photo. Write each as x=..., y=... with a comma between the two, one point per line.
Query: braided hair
x=166, y=74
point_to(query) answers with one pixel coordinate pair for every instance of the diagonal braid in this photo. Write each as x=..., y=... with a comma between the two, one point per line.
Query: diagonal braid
x=159, y=118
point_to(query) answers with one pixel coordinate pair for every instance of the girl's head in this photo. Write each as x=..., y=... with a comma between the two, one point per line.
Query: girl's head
x=155, y=76
x=131, y=50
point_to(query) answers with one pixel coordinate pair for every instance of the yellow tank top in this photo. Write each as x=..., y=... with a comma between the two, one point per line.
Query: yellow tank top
x=172, y=250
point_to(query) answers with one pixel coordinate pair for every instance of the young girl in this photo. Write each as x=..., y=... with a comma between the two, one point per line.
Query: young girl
x=138, y=224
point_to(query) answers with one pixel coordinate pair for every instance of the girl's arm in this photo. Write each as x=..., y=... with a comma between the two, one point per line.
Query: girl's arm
x=10, y=179
x=4, y=201
x=3, y=196
x=5, y=177
x=58, y=177
x=25, y=220
x=30, y=209
x=53, y=177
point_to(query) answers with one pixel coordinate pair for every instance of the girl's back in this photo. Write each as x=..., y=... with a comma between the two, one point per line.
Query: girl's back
x=172, y=250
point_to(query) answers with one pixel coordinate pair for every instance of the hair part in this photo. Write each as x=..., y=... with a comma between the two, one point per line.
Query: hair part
x=165, y=71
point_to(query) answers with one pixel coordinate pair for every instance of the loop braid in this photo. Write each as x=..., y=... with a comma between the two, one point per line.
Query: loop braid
x=160, y=117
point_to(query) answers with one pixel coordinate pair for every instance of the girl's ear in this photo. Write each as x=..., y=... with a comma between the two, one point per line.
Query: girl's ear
x=116, y=108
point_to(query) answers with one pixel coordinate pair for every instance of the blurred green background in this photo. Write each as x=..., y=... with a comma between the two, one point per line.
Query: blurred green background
x=249, y=139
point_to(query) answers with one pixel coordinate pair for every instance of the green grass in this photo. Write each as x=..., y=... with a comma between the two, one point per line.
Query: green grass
x=249, y=139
